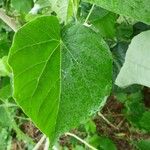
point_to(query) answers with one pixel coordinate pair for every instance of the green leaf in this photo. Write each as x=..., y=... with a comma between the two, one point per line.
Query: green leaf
x=118, y=52
x=4, y=68
x=1, y=2
x=5, y=89
x=143, y=144
x=124, y=31
x=65, y=9
x=22, y=5
x=4, y=119
x=136, y=67
x=134, y=108
x=4, y=46
x=145, y=121
x=61, y=8
x=58, y=82
x=43, y=3
x=104, y=21
x=137, y=9
x=102, y=143
x=78, y=147
x=4, y=138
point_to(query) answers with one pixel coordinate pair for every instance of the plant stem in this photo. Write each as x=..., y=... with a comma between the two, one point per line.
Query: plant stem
x=8, y=105
x=9, y=21
x=79, y=139
x=108, y=122
x=23, y=118
x=39, y=143
x=87, y=18
x=46, y=144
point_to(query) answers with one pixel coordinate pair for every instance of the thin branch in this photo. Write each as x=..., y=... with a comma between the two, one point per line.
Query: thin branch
x=47, y=144
x=8, y=105
x=9, y=21
x=108, y=122
x=82, y=141
x=120, y=124
x=89, y=14
x=39, y=143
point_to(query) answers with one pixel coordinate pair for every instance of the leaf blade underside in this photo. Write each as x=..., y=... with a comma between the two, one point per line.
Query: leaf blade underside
x=136, y=69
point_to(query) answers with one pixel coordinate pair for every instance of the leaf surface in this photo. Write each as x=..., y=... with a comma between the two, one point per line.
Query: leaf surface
x=4, y=68
x=59, y=80
x=104, y=21
x=65, y=9
x=136, y=67
x=145, y=121
x=22, y=6
x=5, y=89
x=137, y=9
x=143, y=144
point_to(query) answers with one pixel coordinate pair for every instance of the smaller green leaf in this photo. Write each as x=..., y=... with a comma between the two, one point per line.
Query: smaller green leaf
x=3, y=138
x=4, y=119
x=4, y=68
x=102, y=143
x=143, y=144
x=145, y=121
x=118, y=57
x=79, y=148
x=65, y=9
x=134, y=109
x=5, y=89
x=90, y=127
x=4, y=47
x=104, y=21
x=1, y=2
x=136, y=68
x=22, y=5
x=43, y=3
x=124, y=31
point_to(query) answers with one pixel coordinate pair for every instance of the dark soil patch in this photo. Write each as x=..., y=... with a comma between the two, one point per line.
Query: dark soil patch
x=122, y=137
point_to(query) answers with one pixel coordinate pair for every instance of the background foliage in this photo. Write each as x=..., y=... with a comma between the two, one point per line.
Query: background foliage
x=87, y=38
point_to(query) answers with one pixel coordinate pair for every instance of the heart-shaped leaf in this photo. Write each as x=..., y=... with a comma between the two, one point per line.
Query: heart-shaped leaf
x=58, y=81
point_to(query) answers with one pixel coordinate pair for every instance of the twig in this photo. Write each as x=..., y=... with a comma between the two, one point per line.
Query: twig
x=19, y=146
x=120, y=124
x=82, y=141
x=87, y=18
x=22, y=118
x=108, y=122
x=46, y=144
x=8, y=105
x=39, y=143
x=114, y=115
x=9, y=21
